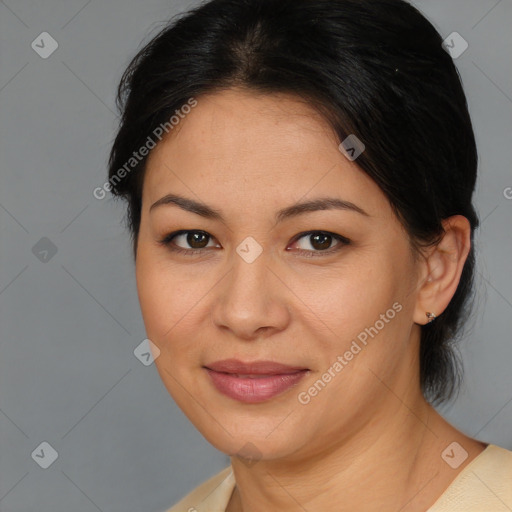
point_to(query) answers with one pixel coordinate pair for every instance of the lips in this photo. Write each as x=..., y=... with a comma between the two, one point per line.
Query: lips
x=255, y=368
x=253, y=382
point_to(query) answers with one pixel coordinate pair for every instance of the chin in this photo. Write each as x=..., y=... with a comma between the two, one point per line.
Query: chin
x=251, y=438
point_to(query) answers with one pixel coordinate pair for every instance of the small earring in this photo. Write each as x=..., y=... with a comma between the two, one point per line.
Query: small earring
x=431, y=316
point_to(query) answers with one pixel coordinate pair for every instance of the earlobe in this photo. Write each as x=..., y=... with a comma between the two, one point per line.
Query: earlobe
x=443, y=265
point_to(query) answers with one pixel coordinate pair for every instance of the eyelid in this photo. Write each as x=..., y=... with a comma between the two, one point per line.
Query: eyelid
x=166, y=241
x=342, y=241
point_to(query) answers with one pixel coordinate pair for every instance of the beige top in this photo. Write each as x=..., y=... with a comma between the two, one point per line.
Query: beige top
x=484, y=485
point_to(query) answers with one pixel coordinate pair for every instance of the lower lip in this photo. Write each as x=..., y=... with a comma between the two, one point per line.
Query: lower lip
x=258, y=389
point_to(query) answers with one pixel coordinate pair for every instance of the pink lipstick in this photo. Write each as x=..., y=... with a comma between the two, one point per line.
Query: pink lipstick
x=253, y=382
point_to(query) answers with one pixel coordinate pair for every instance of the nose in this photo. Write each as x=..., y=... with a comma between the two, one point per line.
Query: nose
x=252, y=302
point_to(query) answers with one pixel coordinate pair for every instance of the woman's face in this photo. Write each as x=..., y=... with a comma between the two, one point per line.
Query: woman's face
x=265, y=286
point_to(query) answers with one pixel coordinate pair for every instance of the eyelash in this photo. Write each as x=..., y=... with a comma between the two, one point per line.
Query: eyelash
x=167, y=242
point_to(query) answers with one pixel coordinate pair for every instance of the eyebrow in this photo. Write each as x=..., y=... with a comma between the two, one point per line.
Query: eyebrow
x=202, y=209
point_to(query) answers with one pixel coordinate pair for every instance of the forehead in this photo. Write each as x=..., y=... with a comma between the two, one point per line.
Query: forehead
x=255, y=148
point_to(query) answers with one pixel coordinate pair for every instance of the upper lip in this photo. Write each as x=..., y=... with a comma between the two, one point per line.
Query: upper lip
x=252, y=368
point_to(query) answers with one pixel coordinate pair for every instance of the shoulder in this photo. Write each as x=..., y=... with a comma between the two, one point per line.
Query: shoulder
x=484, y=485
x=211, y=496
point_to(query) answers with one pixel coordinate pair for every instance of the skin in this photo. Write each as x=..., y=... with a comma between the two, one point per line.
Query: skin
x=248, y=155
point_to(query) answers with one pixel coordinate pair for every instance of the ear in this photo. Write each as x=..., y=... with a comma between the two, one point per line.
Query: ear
x=441, y=269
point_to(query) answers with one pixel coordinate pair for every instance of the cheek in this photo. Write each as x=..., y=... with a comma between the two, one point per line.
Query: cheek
x=357, y=336
x=360, y=310
x=172, y=302
x=167, y=306
x=345, y=299
x=157, y=295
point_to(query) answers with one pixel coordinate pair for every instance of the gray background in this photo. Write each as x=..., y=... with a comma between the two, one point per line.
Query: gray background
x=70, y=321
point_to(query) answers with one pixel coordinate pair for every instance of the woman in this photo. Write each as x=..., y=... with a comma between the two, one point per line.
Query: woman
x=299, y=178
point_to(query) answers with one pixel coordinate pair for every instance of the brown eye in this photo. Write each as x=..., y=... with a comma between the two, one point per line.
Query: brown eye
x=197, y=239
x=191, y=241
x=320, y=241
x=317, y=242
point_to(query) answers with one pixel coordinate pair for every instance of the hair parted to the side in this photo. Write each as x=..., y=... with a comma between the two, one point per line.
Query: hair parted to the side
x=373, y=68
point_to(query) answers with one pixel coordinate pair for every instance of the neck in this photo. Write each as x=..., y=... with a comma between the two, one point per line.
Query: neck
x=393, y=461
